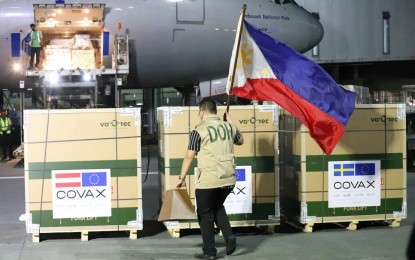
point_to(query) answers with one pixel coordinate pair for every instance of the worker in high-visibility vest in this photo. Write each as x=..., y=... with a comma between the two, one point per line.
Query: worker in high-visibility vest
x=6, y=136
x=35, y=44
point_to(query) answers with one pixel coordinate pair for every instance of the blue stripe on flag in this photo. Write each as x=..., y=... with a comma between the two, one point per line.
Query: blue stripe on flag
x=365, y=169
x=348, y=173
x=305, y=77
x=94, y=179
x=240, y=175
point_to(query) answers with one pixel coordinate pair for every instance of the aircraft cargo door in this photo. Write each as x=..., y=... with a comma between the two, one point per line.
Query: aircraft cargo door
x=190, y=11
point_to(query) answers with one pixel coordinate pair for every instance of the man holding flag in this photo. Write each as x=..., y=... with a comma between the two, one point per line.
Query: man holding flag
x=264, y=69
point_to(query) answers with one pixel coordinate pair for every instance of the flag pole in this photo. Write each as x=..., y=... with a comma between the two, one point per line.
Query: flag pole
x=239, y=35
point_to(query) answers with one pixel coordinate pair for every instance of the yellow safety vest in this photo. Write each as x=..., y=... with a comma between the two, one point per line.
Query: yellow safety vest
x=5, y=125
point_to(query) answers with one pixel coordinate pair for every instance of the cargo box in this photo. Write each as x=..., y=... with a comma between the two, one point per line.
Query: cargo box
x=363, y=179
x=255, y=199
x=83, y=171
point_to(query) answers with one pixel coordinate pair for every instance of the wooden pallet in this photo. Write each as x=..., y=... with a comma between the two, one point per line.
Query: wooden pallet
x=352, y=224
x=175, y=227
x=85, y=235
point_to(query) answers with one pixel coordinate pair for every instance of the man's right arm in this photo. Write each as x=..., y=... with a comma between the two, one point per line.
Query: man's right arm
x=192, y=149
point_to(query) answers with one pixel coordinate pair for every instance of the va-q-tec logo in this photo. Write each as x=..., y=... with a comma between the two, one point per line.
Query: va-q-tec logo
x=384, y=119
x=353, y=169
x=254, y=120
x=114, y=123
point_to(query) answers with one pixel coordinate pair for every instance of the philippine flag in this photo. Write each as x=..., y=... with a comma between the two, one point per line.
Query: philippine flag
x=269, y=70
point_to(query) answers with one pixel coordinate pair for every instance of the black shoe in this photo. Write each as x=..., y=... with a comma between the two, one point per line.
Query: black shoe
x=205, y=256
x=230, y=245
x=30, y=68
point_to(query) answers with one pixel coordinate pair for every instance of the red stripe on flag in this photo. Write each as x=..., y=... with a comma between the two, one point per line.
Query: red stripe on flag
x=67, y=175
x=68, y=185
x=325, y=129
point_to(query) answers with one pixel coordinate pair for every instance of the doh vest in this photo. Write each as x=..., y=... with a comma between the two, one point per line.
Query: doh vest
x=4, y=124
x=215, y=160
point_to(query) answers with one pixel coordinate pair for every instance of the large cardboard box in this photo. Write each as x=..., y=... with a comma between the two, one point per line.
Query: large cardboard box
x=82, y=170
x=255, y=199
x=83, y=59
x=363, y=179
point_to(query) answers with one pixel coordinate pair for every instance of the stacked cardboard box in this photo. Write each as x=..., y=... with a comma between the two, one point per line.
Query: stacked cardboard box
x=83, y=170
x=363, y=179
x=57, y=59
x=83, y=59
x=255, y=199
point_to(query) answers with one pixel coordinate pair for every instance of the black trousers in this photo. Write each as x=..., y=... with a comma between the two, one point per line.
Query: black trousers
x=210, y=210
x=410, y=251
x=34, y=51
x=6, y=144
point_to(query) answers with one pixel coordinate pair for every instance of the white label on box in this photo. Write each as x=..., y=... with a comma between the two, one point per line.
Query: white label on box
x=354, y=183
x=81, y=193
x=266, y=108
x=273, y=108
x=129, y=111
x=239, y=201
x=176, y=110
x=168, y=112
x=401, y=113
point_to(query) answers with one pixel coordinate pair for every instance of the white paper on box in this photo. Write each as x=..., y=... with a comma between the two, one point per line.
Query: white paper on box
x=354, y=183
x=168, y=112
x=239, y=201
x=136, y=112
x=401, y=113
x=274, y=109
x=81, y=193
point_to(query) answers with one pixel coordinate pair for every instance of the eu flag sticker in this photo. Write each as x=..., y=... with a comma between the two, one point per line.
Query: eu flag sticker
x=240, y=175
x=94, y=179
x=363, y=169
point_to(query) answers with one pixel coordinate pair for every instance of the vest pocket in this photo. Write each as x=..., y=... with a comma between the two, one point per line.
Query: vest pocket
x=226, y=166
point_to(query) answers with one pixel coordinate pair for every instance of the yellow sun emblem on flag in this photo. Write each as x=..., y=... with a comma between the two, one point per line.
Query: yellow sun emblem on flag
x=244, y=54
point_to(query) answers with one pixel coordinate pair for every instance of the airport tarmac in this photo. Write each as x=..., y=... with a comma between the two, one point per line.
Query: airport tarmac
x=371, y=240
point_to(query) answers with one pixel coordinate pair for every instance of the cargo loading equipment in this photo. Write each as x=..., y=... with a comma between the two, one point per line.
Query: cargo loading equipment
x=77, y=69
